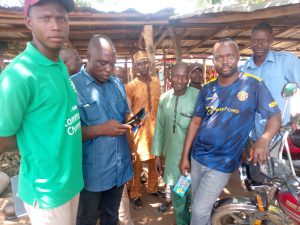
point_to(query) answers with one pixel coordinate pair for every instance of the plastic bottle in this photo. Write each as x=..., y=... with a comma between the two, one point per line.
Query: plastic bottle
x=182, y=185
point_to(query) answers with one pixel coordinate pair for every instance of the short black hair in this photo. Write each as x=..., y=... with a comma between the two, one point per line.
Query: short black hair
x=263, y=26
x=179, y=65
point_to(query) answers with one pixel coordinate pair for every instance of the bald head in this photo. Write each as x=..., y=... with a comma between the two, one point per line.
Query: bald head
x=72, y=60
x=101, y=58
x=227, y=42
x=100, y=42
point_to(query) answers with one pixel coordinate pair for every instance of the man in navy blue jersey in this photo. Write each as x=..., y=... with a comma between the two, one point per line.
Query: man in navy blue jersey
x=224, y=115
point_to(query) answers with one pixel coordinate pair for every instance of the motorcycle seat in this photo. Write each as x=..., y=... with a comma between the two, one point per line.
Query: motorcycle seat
x=295, y=137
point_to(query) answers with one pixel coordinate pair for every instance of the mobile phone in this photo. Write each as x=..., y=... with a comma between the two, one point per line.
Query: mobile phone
x=137, y=118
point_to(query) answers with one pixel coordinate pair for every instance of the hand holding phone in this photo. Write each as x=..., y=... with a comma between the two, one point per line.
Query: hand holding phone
x=137, y=118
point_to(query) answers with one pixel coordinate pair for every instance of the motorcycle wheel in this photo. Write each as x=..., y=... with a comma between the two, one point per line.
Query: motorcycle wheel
x=232, y=211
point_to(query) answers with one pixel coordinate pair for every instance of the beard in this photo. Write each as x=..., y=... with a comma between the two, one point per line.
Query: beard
x=228, y=73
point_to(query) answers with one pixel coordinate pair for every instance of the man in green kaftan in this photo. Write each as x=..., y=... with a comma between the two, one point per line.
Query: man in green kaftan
x=175, y=110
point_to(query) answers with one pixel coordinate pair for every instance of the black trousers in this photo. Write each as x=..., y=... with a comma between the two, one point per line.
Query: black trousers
x=103, y=205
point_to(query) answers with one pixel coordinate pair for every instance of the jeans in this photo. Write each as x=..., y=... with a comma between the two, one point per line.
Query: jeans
x=207, y=184
x=103, y=205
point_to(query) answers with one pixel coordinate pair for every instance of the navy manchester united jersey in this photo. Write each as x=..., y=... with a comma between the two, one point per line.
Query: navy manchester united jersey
x=227, y=114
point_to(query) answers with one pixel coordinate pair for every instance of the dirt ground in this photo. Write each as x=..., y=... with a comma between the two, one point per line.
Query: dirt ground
x=144, y=216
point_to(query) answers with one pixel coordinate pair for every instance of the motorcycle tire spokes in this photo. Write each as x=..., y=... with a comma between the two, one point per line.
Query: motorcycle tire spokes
x=245, y=217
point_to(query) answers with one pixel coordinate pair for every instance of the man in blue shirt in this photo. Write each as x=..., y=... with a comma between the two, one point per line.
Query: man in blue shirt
x=223, y=117
x=275, y=68
x=103, y=108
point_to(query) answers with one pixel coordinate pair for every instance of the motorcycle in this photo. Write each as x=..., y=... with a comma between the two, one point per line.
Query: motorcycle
x=275, y=184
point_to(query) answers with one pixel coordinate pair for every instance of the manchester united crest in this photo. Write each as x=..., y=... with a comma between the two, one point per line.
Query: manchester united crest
x=242, y=96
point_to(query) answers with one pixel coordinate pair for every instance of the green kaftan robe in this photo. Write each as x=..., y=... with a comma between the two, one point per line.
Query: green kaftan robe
x=171, y=128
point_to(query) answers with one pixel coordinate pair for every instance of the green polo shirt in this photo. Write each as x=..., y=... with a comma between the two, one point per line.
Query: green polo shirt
x=38, y=105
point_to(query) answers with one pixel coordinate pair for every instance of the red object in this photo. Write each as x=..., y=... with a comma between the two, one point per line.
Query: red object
x=295, y=150
x=289, y=205
x=69, y=4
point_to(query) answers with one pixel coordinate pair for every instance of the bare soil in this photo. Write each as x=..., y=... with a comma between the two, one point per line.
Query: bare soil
x=144, y=216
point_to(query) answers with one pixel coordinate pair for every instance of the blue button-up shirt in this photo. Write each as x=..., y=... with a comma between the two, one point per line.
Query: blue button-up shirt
x=106, y=160
x=278, y=69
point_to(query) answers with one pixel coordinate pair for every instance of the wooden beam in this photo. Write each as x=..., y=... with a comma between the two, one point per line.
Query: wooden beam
x=181, y=34
x=158, y=31
x=176, y=43
x=116, y=41
x=156, y=43
x=204, y=71
x=148, y=37
x=165, y=70
x=73, y=31
x=161, y=38
x=214, y=33
x=276, y=39
x=290, y=46
x=119, y=22
x=95, y=22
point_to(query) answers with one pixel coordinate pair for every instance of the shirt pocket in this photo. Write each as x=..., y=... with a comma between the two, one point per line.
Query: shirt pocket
x=185, y=119
x=89, y=111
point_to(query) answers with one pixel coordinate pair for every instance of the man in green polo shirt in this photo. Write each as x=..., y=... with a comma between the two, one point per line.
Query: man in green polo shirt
x=39, y=116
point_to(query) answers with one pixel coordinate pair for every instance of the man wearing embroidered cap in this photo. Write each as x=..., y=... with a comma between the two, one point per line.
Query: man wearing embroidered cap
x=143, y=92
x=41, y=119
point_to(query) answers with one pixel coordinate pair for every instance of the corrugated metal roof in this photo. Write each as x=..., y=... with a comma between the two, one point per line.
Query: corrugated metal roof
x=197, y=32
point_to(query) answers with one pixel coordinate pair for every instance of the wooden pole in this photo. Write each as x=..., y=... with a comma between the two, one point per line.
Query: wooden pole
x=165, y=70
x=176, y=43
x=133, y=68
x=125, y=68
x=148, y=37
